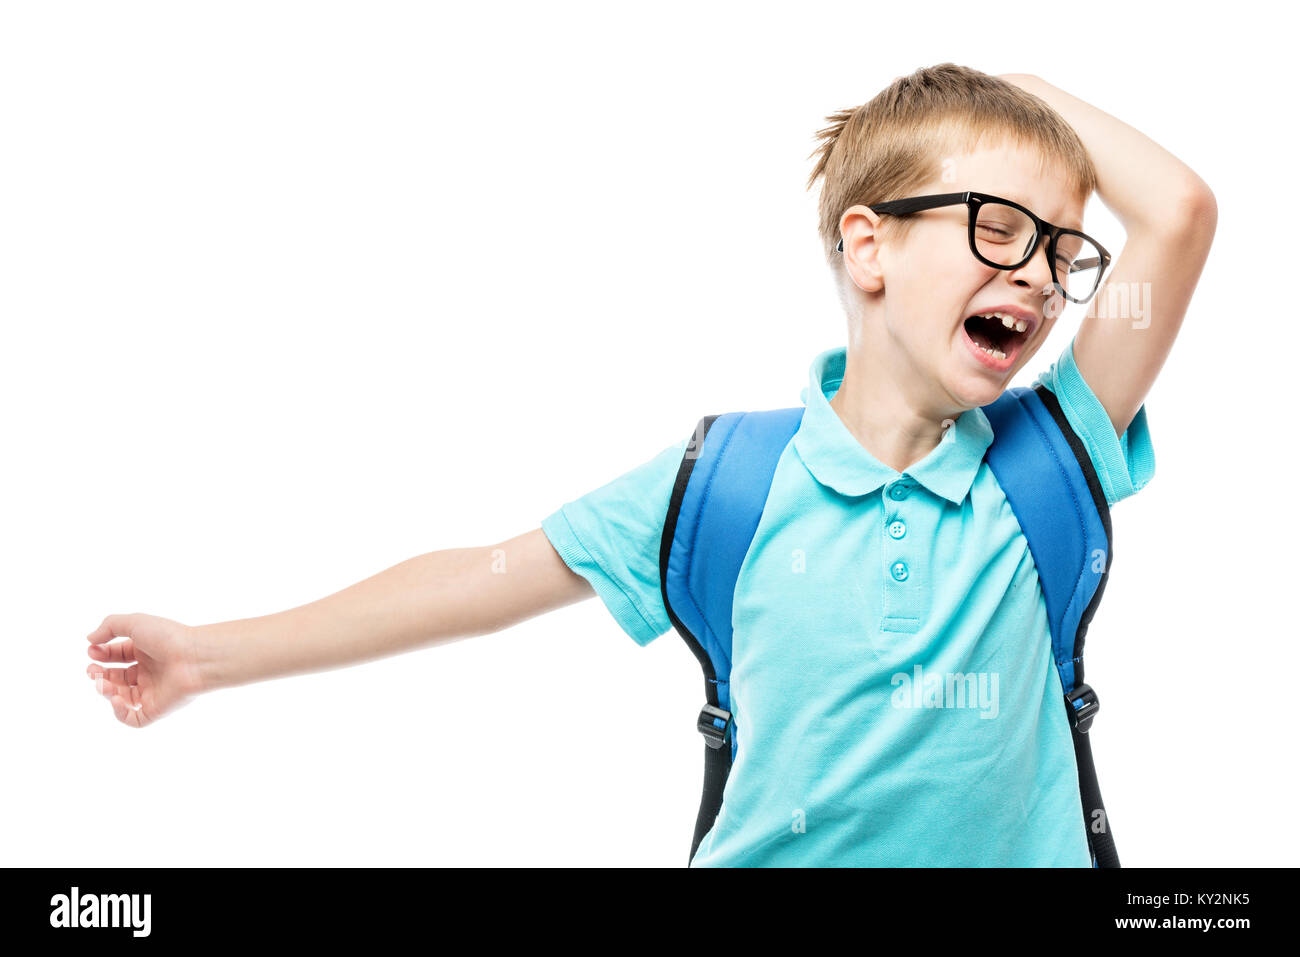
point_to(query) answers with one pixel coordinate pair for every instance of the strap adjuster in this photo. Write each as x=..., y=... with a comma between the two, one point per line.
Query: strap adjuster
x=1082, y=712
x=715, y=725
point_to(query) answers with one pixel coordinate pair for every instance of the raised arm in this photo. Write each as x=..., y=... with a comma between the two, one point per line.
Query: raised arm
x=1169, y=215
x=432, y=598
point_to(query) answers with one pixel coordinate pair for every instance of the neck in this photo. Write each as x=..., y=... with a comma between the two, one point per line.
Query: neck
x=880, y=404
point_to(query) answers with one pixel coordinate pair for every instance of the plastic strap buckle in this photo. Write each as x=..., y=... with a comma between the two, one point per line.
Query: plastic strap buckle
x=715, y=725
x=1081, y=704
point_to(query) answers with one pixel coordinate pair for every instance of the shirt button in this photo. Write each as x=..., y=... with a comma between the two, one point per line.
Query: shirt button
x=899, y=571
x=898, y=491
x=897, y=529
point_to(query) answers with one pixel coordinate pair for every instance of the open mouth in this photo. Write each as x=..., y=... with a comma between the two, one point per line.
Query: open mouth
x=993, y=335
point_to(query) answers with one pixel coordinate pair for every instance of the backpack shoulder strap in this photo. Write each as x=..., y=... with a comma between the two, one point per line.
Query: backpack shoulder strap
x=717, y=501
x=1051, y=485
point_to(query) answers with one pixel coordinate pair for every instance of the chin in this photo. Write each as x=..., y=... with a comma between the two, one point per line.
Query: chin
x=974, y=389
x=972, y=398
x=973, y=385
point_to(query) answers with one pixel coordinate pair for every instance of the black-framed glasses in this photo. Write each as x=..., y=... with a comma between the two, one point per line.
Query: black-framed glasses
x=1005, y=235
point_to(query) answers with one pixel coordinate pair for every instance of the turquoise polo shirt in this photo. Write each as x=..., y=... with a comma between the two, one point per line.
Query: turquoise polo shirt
x=892, y=681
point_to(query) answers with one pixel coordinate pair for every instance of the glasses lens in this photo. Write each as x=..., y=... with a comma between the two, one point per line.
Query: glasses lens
x=1003, y=234
x=1078, y=265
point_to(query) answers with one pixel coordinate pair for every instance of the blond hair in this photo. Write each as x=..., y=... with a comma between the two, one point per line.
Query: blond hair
x=888, y=147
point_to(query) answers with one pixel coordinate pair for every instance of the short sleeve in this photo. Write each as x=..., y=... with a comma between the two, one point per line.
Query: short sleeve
x=611, y=537
x=1124, y=464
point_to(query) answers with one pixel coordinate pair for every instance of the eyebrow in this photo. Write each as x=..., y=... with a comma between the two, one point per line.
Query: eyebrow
x=1016, y=197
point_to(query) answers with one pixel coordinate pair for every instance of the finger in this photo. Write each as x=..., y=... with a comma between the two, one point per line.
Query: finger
x=130, y=694
x=124, y=712
x=121, y=677
x=113, y=626
x=126, y=702
x=123, y=651
x=111, y=691
x=127, y=675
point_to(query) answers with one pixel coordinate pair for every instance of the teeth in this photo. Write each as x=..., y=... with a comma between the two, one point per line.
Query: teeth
x=1011, y=322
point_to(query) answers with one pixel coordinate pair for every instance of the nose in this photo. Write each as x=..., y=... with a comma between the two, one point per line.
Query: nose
x=1037, y=272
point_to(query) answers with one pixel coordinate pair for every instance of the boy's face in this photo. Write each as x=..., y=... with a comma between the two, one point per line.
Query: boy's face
x=934, y=282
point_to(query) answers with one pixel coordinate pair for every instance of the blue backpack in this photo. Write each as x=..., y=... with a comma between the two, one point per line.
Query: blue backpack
x=718, y=498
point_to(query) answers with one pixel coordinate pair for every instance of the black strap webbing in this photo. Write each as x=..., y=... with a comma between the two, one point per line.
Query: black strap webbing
x=717, y=761
x=717, y=765
x=1095, y=823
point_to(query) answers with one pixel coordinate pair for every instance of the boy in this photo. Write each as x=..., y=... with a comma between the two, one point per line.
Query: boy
x=886, y=546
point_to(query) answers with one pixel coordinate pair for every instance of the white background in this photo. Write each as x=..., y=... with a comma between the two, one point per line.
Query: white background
x=293, y=292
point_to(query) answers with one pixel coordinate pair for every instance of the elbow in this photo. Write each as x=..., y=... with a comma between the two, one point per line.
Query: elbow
x=1198, y=210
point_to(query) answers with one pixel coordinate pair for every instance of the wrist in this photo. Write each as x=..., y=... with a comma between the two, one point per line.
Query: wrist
x=210, y=659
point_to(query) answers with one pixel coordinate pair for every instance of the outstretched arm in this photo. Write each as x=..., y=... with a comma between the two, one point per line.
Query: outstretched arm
x=436, y=597
x=432, y=598
x=1169, y=215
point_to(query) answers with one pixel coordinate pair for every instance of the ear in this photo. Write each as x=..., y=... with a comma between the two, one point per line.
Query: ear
x=861, y=241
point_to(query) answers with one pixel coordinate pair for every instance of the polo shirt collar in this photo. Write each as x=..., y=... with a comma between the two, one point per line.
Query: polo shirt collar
x=839, y=461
